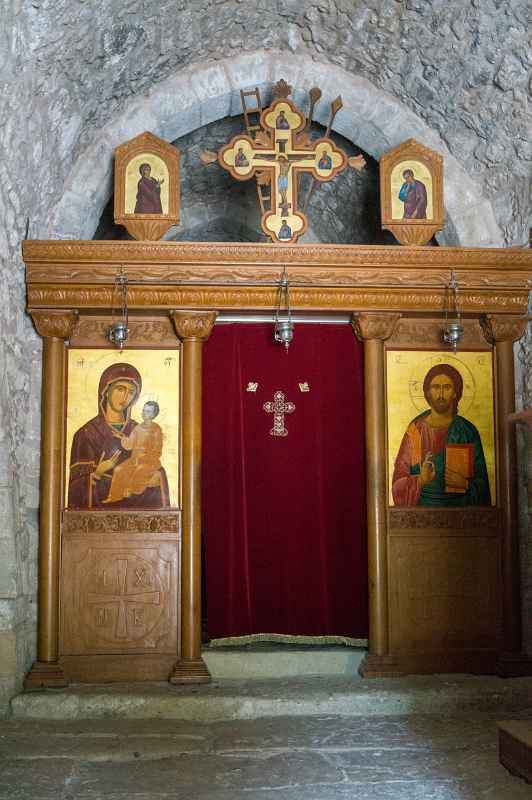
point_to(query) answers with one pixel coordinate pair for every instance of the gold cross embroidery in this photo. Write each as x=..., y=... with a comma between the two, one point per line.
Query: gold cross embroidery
x=278, y=408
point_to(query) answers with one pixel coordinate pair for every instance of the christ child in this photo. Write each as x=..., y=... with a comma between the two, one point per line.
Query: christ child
x=141, y=469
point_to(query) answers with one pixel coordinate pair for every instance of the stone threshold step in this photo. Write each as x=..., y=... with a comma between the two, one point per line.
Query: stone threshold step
x=515, y=747
x=237, y=699
x=281, y=661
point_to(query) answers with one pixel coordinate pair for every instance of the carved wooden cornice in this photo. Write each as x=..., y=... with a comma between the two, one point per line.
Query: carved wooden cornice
x=54, y=324
x=193, y=324
x=74, y=256
x=164, y=276
x=374, y=326
x=259, y=297
x=503, y=328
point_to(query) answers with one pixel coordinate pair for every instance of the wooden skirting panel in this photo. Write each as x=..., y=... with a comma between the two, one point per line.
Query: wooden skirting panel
x=474, y=662
x=122, y=669
x=119, y=595
x=444, y=592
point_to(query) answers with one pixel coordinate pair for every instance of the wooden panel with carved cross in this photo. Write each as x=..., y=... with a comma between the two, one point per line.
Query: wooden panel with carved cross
x=119, y=587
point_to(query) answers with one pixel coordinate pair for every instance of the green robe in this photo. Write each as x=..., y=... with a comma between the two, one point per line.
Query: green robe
x=460, y=431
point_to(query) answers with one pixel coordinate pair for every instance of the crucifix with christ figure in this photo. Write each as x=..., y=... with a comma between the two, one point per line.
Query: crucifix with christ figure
x=281, y=152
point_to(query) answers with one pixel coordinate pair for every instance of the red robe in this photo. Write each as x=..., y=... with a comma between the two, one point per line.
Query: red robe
x=148, y=197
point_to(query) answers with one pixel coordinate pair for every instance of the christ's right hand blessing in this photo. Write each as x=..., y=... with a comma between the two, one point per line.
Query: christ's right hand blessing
x=428, y=470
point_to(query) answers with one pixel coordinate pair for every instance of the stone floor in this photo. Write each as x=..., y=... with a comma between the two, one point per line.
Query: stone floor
x=416, y=757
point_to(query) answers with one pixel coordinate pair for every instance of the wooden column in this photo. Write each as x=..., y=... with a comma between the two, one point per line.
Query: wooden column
x=503, y=331
x=373, y=329
x=193, y=328
x=54, y=327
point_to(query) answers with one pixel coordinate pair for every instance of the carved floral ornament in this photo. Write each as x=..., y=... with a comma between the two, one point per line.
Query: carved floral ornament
x=140, y=331
x=374, y=326
x=55, y=324
x=503, y=329
x=72, y=256
x=193, y=324
x=75, y=522
x=335, y=298
x=488, y=519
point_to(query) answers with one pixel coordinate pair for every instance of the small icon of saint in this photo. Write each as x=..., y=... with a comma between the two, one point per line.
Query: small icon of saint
x=285, y=231
x=240, y=158
x=325, y=161
x=414, y=195
x=281, y=122
x=148, y=192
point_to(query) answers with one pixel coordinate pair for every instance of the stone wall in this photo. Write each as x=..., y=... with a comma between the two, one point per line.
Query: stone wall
x=72, y=68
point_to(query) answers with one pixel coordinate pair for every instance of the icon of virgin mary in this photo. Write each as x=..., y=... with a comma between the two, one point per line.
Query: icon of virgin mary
x=97, y=448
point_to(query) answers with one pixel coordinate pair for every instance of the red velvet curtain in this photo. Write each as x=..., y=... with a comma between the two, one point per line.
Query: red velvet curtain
x=284, y=517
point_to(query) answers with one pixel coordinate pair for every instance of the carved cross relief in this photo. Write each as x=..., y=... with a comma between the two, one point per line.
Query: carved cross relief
x=278, y=153
x=125, y=592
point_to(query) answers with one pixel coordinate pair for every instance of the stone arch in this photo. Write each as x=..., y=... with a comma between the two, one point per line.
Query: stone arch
x=195, y=96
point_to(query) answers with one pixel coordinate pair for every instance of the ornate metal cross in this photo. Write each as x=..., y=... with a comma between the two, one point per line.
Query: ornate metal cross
x=278, y=408
x=282, y=149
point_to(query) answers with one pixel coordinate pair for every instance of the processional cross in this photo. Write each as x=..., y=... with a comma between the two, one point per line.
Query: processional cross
x=278, y=408
x=281, y=149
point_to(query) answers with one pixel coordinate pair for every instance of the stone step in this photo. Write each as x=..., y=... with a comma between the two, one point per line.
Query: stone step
x=282, y=661
x=515, y=747
x=253, y=699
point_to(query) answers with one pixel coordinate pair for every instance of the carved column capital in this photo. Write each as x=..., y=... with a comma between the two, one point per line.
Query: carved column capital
x=502, y=328
x=54, y=324
x=193, y=324
x=374, y=325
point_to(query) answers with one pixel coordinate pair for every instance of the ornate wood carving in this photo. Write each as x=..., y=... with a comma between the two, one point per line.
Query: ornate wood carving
x=374, y=326
x=411, y=231
x=460, y=519
x=333, y=299
x=189, y=282
x=427, y=333
x=73, y=256
x=54, y=324
x=193, y=324
x=119, y=594
x=503, y=329
x=93, y=330
x=138, y=522
x=334, y=276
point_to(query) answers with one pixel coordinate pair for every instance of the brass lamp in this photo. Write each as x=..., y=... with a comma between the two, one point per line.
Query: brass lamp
x=283, y=330
x=453, y=332
x=118, y=332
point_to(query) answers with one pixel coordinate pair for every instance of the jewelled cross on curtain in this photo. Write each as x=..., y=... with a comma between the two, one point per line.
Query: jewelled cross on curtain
x=279, y=408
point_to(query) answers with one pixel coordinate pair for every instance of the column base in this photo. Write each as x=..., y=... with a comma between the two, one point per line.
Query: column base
x=373, y=666
x=514, y=665
x=45, y=674
x=190, y=670
x=475, y=662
